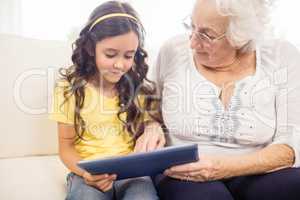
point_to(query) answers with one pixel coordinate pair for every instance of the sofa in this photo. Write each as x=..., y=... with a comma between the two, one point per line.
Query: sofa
x=29, y=164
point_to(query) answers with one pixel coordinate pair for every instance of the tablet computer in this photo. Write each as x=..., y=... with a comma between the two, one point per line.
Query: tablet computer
x=142, y=164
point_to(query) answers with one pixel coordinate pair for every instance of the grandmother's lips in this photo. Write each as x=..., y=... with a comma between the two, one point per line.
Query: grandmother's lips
x=202, y=53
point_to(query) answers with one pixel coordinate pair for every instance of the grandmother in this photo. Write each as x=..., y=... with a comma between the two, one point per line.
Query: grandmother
x=235, y=91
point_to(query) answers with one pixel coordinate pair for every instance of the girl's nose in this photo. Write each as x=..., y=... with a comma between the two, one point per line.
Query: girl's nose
x=119, y=65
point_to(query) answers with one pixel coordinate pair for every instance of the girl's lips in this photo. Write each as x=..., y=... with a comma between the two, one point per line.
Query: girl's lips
x=116, y=72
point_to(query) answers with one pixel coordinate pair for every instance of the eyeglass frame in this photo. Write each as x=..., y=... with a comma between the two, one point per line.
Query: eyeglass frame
x=199, y=34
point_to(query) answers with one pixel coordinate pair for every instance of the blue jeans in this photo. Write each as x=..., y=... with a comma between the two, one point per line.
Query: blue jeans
x=128, y=189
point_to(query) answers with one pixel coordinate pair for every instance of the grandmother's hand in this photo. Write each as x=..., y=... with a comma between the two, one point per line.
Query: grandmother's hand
x=152, y=138
x=208, y=168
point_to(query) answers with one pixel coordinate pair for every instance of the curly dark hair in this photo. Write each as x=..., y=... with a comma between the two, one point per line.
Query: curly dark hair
x=131, y=84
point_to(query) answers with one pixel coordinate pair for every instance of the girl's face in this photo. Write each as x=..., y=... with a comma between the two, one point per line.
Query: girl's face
x=115, y=56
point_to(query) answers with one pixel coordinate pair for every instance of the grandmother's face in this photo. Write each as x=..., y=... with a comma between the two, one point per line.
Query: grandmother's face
x=210, y=46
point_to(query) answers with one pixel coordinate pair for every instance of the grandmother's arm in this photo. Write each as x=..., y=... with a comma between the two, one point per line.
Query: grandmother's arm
x=268, y=159
x=215, y=167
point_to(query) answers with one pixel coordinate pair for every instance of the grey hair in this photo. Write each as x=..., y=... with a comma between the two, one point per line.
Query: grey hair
x=249, y=21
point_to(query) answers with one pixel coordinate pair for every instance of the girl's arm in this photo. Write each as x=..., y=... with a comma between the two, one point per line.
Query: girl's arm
x=67, y=152
x=69, y=156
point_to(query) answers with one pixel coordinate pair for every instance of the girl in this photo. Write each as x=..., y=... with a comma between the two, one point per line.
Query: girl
x=102, y=104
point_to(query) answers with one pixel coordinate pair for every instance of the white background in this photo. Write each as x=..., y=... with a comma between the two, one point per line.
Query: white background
x=62, y=19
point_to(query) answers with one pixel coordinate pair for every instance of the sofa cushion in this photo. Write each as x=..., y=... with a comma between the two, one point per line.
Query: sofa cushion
x=34, y=178
x=28, y=67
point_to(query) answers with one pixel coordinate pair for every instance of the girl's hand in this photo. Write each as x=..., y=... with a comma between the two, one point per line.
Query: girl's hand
x=103, y=182
x=152, y=138
x=208, y=168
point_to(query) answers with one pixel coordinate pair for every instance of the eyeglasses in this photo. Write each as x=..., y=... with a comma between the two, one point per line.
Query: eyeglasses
x=201, y=36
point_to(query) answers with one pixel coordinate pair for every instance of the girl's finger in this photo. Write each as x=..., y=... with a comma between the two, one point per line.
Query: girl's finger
x=161, y=143
x=107, y=180
x=108, y=187
x=141, y=144
x=91, y=178
x=151, y=144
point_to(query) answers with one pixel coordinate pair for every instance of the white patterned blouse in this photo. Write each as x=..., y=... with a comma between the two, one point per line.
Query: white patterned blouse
x=264, y=109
